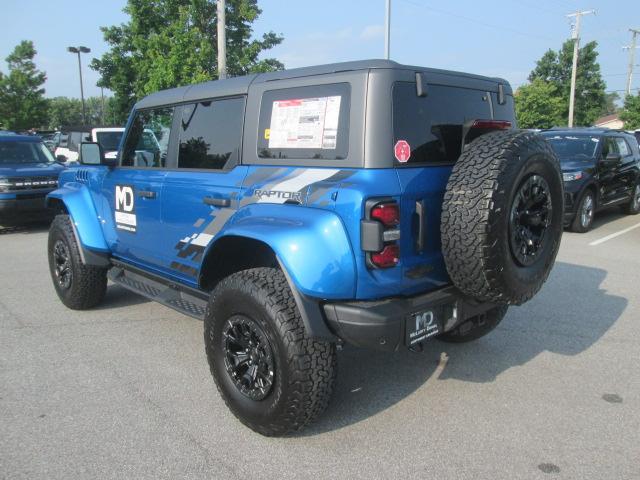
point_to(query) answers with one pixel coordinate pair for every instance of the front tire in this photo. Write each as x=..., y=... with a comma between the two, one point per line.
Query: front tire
x=272, y=376
x=584, y=214
x=79, y=286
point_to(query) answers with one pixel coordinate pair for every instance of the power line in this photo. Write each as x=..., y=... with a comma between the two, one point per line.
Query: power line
x=479, y=22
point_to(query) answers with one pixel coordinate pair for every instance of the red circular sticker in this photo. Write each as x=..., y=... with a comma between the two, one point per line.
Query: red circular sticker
x=402, y=151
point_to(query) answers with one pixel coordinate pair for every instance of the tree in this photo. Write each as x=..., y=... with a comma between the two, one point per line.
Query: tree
x=64, y=111
x=555, y=68
x=169, y=43
x=22, y=102
x=538, y=105
x=611, y=104
x=630, y=113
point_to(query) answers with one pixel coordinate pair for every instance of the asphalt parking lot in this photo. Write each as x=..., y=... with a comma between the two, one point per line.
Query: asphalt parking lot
x=124, y=391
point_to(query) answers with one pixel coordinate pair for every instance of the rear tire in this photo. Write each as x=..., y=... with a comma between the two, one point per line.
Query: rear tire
x=272, y=376
x=475, y=327
x=583, y=221
x=502, y=217
x=633, y=208
x=79, y=286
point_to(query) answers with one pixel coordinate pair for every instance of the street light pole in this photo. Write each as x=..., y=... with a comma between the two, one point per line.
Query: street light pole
x=79, y=50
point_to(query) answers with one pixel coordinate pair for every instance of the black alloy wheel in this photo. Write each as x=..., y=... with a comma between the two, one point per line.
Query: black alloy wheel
x=530, y=218
x=63, y=267
x=248, y=357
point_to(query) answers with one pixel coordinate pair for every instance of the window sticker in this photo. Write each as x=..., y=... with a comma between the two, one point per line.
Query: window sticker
x=305, y=123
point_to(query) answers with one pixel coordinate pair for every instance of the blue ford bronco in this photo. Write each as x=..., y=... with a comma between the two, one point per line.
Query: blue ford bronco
x=367, y=203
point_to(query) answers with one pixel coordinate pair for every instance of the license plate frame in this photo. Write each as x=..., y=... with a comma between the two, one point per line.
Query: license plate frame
x=423, y=325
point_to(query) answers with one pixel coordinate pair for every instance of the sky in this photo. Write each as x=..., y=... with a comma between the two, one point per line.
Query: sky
x=495, y=37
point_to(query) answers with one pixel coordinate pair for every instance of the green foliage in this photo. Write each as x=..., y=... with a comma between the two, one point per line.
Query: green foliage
x=168, y=43
x=538, y=105
x=611, y=104
x=555, y=68
x=22, y=102
x=630, y=113
x=64, y=111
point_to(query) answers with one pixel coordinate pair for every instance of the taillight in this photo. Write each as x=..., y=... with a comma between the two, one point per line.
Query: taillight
x=387, y=213
x=379, y=232
x=388, y=257
x=492, y=124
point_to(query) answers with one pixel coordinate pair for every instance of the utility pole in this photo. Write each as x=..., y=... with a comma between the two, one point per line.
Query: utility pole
x=576, y=48
x=632, y=55
x=387, y=31
x=102, y=105
x=222, y=40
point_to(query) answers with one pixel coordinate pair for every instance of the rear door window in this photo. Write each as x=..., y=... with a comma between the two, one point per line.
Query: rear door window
x=211, y=133
x=305, y=122
x=433, y=125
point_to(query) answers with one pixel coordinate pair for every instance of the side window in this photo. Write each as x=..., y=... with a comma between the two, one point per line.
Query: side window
x=147, y=141
x=623, y=147
x=305, y=122
x=610, y=146
x=433, y=125
x=211, y=133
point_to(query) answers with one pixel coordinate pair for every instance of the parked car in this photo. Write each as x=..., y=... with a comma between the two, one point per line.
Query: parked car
x=109, y=139
x=69, y=145
x=601, y=169
x=369, y=203
x=28, y=172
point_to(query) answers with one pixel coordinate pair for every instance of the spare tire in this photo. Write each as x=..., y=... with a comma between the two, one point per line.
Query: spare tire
x=502, y=217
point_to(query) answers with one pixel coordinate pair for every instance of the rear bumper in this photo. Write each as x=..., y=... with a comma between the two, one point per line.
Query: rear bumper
x=382, y=324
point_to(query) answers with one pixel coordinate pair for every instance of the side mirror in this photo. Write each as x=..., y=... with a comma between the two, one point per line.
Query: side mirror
x=91, y=153
x=61, y=158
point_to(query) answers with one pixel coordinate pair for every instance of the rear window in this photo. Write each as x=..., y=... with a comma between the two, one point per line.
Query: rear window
x=305, y=122
x=433, y=125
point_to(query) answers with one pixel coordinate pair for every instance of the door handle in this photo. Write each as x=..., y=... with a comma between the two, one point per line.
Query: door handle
x=147, y=194
x=217, y=202
x=420, y=212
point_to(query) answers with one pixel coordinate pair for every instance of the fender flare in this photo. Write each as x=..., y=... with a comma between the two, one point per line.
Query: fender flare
x=311, y=244
x=84, y=219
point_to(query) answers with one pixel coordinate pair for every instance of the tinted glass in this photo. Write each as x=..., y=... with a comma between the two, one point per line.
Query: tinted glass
x=109, y=141
x=573, y=147
x=305, y=122
x=24, y=152
x=210, y=134
x=147, y=142
x=433, y=125
x=623, y=148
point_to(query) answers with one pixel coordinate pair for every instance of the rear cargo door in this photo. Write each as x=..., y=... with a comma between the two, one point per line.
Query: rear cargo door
x=428, y=137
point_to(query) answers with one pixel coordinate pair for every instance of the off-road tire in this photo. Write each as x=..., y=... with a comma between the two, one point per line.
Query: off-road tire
x=305, y=368
x=475, y=327
x=477, y=214
x=633, y=207
x=88, y=284
x=579, y=225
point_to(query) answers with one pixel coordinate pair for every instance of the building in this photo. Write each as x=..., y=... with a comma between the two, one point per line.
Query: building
x=610, y=121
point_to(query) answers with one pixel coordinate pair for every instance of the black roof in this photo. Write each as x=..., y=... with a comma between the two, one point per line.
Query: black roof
x=240, y=85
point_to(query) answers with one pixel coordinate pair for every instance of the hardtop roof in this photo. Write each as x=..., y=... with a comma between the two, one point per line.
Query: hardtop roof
x=240, y=85
x=20, y=138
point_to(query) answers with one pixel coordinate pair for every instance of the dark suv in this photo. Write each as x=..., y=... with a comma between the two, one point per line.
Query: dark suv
x=368, y=203
x=601, y=169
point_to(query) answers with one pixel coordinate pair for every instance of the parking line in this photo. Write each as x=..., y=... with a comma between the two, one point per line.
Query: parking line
x=613, y=235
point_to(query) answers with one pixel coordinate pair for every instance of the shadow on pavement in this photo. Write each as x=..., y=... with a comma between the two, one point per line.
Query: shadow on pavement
x=569, y=315
x=607, y=216
x=118, y=296
x=36, y=226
